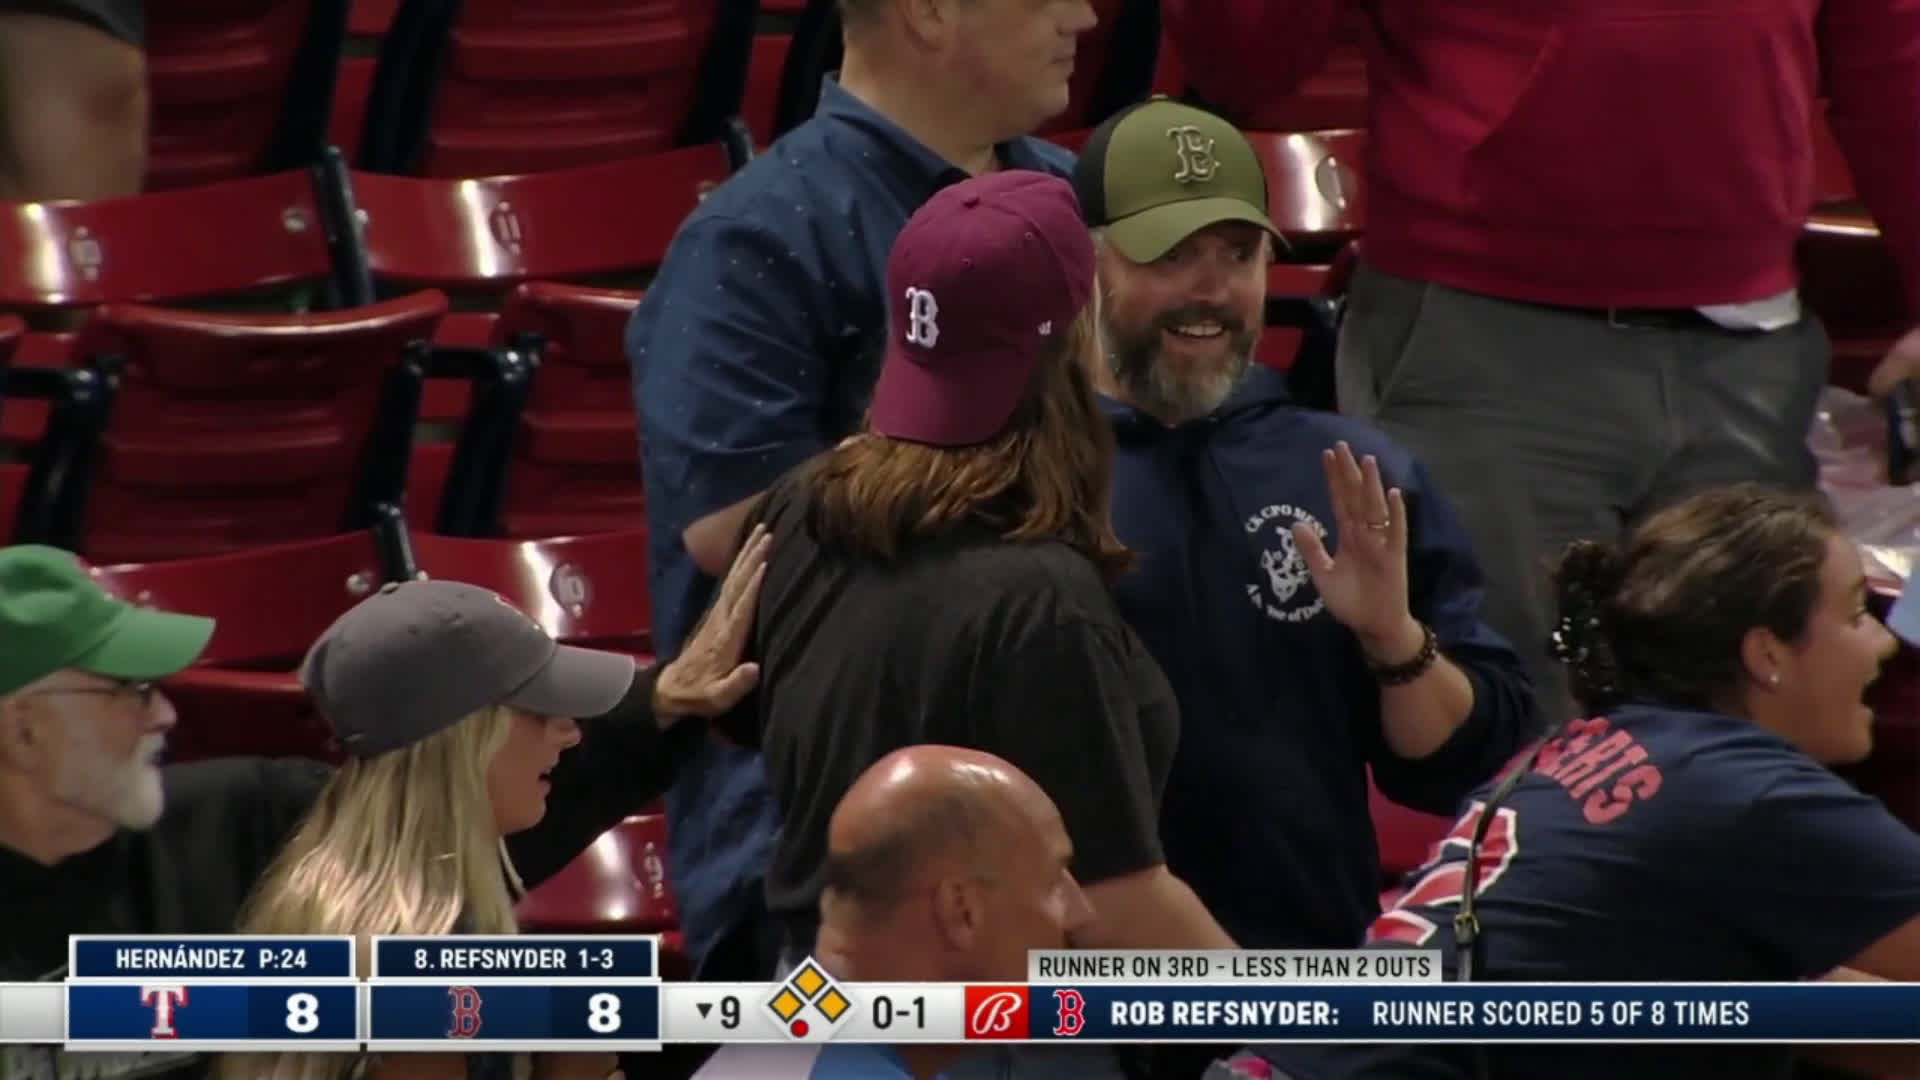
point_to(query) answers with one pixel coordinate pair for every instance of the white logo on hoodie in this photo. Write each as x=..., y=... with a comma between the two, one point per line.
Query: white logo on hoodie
x=1285, y=591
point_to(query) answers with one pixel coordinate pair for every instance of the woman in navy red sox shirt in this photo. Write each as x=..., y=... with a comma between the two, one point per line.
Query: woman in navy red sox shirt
x=1688, y=830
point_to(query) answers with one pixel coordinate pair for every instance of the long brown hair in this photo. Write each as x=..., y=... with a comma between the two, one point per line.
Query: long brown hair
x=1660, y=617
x=1048, y=476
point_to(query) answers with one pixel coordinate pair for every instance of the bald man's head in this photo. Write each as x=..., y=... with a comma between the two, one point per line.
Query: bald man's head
x=923, y=807
x=970, y=835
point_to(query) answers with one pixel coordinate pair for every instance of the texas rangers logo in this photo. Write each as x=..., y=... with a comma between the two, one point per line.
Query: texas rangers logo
x=1286, y=594
x=165, y=1002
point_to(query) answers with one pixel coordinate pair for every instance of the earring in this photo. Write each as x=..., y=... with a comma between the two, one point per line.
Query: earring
x=1773, y=679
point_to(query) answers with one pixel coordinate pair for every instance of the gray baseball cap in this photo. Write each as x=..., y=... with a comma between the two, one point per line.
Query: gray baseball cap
x=417, y=656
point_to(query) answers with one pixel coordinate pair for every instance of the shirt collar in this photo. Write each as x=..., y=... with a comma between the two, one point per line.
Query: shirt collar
x=912, y=160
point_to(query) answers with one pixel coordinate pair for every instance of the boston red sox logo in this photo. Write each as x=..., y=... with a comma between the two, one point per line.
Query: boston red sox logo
x=464, y=1005
x=923, y=318
x=1194, y=152
x=1070, y=1013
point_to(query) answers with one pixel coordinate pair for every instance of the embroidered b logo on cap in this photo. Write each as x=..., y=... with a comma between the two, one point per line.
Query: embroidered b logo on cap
x=923, y=318
x=1194, y=152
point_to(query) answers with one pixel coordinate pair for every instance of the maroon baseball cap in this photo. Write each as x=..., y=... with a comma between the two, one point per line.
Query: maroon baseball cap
x=979, y=283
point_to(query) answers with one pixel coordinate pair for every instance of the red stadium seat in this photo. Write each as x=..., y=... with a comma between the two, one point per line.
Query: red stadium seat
x=1849, y=278
x=760, y=107
x=486, y=236
x=1406, y=837
x=207, y=433
x=371, y=18
x=221, y=239
x=489, y=234
x=272, y=236
x=1316, y=183
x=353, y=86
x=271, y=603
x=575, y=467
x=617, y=886
x=1316, y=196
x=589, y=590
x=239, y=87
x=494, y=86
x=11, y=330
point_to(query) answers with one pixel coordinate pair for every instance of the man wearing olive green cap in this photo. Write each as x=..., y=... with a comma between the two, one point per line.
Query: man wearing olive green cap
x=1178, y=200
x=1312, y=599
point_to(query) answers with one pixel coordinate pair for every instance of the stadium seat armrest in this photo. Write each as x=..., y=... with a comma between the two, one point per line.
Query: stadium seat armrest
x=737, y=137
x=1310, y=379
x=476, y=481
x=47, y=384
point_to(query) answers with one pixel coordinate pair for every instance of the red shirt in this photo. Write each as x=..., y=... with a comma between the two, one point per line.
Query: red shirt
x=1598, y=153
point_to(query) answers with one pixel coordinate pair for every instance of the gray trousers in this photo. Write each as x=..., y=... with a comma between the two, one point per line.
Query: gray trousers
x=1543, y=425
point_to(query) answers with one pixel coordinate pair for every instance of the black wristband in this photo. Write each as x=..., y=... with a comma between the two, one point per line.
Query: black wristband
x=1401, y=674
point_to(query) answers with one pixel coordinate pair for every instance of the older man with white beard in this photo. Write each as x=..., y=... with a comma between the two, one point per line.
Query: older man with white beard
x=95, y=838
x=1312, y=599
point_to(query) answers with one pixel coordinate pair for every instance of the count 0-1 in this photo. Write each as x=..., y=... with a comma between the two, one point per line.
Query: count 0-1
x=886, y=1011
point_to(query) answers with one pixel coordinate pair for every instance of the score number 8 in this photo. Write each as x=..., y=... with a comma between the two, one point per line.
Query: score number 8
x=303, y=1013
x=603, y=1014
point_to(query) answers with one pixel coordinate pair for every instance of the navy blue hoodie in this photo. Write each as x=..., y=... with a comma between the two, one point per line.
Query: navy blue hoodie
x=1266, y=809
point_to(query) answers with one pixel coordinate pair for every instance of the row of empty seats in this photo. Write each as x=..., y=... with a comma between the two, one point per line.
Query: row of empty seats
x=478, y=87
x=478, y=307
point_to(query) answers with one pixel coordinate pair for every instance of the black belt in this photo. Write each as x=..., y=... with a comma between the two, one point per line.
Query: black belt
x=1631, y=318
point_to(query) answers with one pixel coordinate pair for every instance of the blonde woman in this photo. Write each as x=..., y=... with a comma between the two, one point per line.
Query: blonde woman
x=456, y=711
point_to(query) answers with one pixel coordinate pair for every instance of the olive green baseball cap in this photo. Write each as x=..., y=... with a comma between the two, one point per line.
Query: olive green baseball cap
x=1158, y=172
x=54, y=616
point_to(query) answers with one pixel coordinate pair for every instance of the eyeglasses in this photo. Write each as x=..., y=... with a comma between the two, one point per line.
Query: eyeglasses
x=141, y=692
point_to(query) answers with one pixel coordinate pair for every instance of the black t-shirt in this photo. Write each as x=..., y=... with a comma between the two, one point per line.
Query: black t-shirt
x=1017, y=649
x=189, y=874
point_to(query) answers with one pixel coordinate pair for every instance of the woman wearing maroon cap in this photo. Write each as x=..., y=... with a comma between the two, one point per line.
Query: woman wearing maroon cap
x=943, y=576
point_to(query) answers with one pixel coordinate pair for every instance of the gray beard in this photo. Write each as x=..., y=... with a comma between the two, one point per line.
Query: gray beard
x=1151, y=388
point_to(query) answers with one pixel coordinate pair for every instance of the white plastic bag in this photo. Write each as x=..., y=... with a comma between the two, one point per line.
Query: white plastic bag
x=1849, y=437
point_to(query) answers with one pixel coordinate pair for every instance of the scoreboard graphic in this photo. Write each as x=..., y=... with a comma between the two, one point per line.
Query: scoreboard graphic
x=525, y=992
x=262, y=994
x=553, y=993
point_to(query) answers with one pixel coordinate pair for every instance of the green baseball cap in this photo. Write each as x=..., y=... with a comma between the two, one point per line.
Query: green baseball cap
x=1158, y=172
x=54, y=616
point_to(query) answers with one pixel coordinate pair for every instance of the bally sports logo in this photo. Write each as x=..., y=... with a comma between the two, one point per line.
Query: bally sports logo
x=998, y=1012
